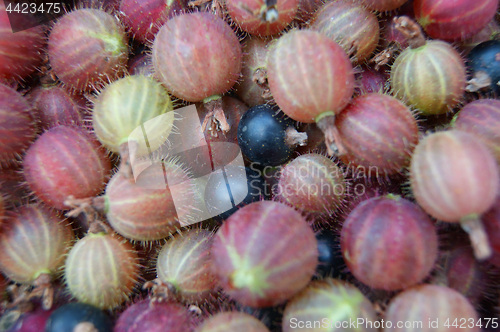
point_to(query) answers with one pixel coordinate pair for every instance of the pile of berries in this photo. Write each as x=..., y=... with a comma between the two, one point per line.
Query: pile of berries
x=250, y=165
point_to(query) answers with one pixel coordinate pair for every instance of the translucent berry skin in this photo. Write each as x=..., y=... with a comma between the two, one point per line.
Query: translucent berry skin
x=127, y=103
x=454, y=20
x=17, y=124
x=55, y=106
x=389, y=243
x=264, y=254
x=430, y=303
x=247, y=15
x=21, y=52
x=34, y=240
x=377, y=130
x=335, y=299
x=352, y=26
x=185, y=261
x=95, y=41
x=309, y=75
x=206, y=45
x=312, y=183
x=140, y=212
x=453, y=175
x=430, y=78
x=482, y=119
x=116, y=262
x=65, y=161
x=144, y=18
x=232, y=321
x=69, y=316
x=154, y=316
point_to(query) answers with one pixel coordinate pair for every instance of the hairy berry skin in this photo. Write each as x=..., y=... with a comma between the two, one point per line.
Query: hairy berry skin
x=154, y=316
x=95, y=41
x=482, y=119
x=333, y=297
x=34, y=240
x=55, y=106
x=449, y=155
x=17, y=124
x=430, y=303
x=184, y=263
x=262, y=135
x=430, y=78
x=352, y=26
x=145, y=17
x=65, y=161
x=206, y=45
x=310, y=76
x=247, y=15
x=116, y=262
x=312, y=183
x=130, y=108
x=20, y=52
x=389, y=243
x=377, y=130
x=150, y=208
x=264, y=254
x=454, y=20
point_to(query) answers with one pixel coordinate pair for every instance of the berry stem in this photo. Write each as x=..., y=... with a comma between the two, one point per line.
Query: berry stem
x=294, y=137
x=480, y=80
x=78, y=205
x=215, y=119
x=478, y=237
x=332, y=136
x=411, y=30
x=386, y=56
x=127, y=158
x=162, y=290
x=43, y=288
x=259, y=77
x=98, y=226
x=48, y=80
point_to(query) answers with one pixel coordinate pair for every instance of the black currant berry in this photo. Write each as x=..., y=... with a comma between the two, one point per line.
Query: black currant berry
x=84, y=316
x=237, y=186
x=484, y=67
x=330, y=261
x=267, y=136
